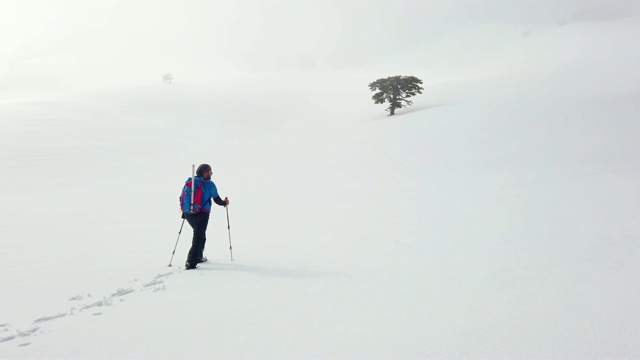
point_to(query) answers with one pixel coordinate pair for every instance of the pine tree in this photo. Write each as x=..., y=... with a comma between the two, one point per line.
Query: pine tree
x=396, y=90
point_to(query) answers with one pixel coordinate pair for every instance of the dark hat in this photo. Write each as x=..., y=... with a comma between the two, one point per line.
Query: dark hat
x=203, y=168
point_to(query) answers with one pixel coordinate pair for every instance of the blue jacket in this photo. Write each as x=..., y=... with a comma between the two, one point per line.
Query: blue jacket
x=209, y=191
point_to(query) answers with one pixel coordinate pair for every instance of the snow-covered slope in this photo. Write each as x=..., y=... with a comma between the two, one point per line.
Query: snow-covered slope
x=497, y=217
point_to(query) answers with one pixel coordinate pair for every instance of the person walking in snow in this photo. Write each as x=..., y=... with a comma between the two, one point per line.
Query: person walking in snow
x=199, y=219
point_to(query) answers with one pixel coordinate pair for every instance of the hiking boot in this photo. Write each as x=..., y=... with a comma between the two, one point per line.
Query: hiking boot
x=188, y=266
x=202, y=259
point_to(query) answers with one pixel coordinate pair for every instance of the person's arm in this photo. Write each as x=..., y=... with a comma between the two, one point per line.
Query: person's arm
x=220, y=202
x=216, y=197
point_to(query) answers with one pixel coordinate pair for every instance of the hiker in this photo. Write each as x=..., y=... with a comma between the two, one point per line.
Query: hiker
x=205, y=190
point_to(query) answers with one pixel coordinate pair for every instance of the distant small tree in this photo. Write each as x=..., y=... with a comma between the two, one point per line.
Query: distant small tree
x=167, y=78
x=396, y=90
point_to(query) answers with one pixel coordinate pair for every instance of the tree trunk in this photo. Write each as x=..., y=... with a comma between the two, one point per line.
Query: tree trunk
x=394, y=99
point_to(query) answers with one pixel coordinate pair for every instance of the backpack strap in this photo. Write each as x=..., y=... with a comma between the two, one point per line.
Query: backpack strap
x=202, y=201
x=196, y=189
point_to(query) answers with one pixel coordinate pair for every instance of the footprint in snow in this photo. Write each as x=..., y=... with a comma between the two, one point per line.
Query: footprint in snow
x=153, y=282
x=104, y=302
x=18, y=333
x=156, y=284
x=28, y=332
x=7, y=338
x=122, y=292
x=49, y=318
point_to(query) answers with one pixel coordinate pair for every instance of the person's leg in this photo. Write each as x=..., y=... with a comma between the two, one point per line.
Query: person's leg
x=193, y=222
x=199, y=236
x=191, y=219
x=202, y=258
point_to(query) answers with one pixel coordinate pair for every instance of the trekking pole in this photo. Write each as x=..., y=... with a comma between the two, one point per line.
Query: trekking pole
x=229, y=228
x=175, y=247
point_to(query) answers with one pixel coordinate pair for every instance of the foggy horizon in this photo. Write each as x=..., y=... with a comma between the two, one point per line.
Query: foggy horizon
x=50, y=45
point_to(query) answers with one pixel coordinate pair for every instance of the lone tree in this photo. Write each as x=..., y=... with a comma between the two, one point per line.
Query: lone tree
x=167, y=78
x=396, y=90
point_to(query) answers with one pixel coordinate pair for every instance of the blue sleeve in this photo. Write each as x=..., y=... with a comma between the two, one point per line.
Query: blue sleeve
x=212, y=190
x=216, y=196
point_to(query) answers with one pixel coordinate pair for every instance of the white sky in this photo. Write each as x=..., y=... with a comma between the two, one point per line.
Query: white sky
x=96, y=41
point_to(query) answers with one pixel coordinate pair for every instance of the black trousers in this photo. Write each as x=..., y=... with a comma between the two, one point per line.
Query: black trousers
x=198, y=222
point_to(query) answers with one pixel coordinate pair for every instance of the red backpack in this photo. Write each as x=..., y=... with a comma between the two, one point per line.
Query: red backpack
x=185, y=197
